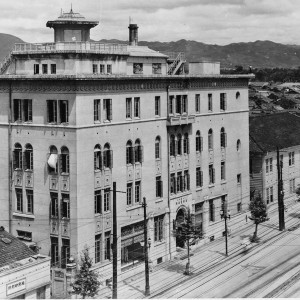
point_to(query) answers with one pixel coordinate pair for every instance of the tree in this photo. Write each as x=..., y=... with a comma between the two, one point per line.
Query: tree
x=298, y=191
x=258, y=211
x=189, y=232
x=86, y=281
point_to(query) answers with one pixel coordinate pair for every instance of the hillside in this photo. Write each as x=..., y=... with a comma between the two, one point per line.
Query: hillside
x=259, y=54
x=7, y=42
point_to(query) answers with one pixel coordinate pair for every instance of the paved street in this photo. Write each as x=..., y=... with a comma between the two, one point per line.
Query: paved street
x=270, y=268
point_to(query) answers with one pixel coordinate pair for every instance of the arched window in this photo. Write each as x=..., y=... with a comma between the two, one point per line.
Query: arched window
x=238, y=145
x=107, y=156
x=223, y=138
x=199, y=142
x=157, y=147
x=129, y=153
x=172, y=145
x=28, y=157
x=17, y=157
x=186, y=148
x=138, y=151
x=52, y=160
x=210, y=139
x=64, y=160
x=179, y=144
x=97, y=158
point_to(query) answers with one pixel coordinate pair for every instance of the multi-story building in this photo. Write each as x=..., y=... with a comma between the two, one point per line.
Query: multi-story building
x=267, y=133
x=77, y=116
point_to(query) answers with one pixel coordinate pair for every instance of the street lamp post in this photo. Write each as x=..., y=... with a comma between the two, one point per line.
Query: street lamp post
x=225, y=214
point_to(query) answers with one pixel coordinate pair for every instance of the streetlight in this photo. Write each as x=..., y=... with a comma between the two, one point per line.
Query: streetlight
x=225, y=214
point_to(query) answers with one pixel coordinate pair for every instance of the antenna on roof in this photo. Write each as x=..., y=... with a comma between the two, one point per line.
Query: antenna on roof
x=71, y=11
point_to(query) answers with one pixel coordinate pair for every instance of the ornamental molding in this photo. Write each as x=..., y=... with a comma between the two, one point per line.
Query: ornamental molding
x=123, y=85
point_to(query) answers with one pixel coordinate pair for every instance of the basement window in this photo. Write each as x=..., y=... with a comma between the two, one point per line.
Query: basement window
x=24, y=235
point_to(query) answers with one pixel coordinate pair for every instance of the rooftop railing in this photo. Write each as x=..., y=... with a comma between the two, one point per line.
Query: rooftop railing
x=174, y=55
x=71, y=46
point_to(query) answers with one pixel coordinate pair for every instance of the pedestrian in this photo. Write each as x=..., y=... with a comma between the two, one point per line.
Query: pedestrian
x=246, y=218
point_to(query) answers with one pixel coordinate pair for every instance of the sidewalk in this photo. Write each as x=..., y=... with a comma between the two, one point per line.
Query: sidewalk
x=207, y=256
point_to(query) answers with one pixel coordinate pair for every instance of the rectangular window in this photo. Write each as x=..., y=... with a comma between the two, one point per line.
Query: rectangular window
x=211, y=211
x=36, y=68
x=137, y=68
x=65, y=206
x=97, y=110
x=95, y=69
x=137, y=107
x=271, y=194
x=186, y=181
x=268, y=195
x=45, y=69
x=171, y=104
x=239, y=178
x=267, y=165
x=179, y=182
x=129, y=194
x=173, y=184
x=223, y=175
x=64, y=112
x=199, y=177
x=159, y=187
x=178, y=105
x=109, y=69
x=128, y=108
x=271, y=164
x=156, y=68
x=53, y=68
x=51, y=111
x=291, y=158
x=102, y=69
x=159, y=228
x=210, y=104
x=107, y=109
x=29, y=195
x=97, y=248
x=137, y=192
x=197, y=103
x=223, y=104
x=292, y=186
x=54, y=251
x=239, y=207
x=54, y=205
x=65, y=252
x=41, y=293
x=157, y=106
x=211, y=174
x=106, y=199
x=107, y=246
x=98, y=202
x=17, y=107
x=184, y=103
x=27, y=110
x=19, y=200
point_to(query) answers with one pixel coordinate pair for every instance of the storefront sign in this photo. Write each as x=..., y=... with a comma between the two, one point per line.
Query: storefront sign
x=16, y=286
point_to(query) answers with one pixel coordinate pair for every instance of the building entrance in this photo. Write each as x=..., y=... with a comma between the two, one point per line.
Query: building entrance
x=180, y=218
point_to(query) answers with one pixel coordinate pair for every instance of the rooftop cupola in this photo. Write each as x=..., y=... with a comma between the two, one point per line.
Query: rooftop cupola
x=71, y=27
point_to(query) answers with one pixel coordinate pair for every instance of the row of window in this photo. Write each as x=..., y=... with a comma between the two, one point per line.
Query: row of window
x=269, y=162
x=102, y=69
x=179, y=183
x=138, y=68
x=44, y=69
x=22, y=207
x=62, y=259
x=99, y=205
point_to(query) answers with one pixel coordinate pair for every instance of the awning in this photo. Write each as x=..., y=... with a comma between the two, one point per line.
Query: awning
x=52, y=160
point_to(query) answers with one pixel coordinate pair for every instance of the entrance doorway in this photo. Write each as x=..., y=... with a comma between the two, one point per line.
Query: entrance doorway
x=180, y=218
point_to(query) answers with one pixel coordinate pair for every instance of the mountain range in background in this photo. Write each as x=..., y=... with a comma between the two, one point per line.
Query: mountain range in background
x=259, y=54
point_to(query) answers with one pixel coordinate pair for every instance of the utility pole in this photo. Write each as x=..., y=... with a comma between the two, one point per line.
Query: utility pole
x=280, y=193
x=115, y=245
x=147, y=286
x=224, y=213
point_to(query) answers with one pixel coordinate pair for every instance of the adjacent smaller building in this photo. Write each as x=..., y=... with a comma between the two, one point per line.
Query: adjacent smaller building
x=23, y=273
x=266, y=134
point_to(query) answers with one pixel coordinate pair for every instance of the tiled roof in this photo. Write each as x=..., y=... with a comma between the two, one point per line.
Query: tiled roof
x=12, y=249
x=269, y=131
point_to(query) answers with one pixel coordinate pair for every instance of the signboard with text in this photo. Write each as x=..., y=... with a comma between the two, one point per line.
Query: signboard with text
x=16, y=286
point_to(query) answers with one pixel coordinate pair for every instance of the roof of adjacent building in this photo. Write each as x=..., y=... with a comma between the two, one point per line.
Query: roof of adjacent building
x=268, y=132
x=12, y=249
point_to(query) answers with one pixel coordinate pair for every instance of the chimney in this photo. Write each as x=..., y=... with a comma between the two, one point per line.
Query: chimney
x=133, y=34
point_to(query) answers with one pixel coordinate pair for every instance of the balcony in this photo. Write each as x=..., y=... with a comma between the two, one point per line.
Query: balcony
x=178, y=120
x=77, y=47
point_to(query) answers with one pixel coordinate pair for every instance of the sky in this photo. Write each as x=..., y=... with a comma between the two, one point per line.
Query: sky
x=218, y=22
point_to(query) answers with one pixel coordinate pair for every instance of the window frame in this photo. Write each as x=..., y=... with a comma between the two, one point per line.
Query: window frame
x=19, y=200
x=210, y=102
x=97, y=202
x=137, y=107
x=97, y=110
x=106, y=200
x=197, y=103
x=30, y=201
x=157, y=106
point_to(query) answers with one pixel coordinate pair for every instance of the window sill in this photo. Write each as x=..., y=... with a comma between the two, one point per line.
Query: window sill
x=20, y=214
x=64, y=174
x=157, y=244
x=159, y=200
x=98, y=215
x=211, y=185
x=223, y=181
x=198, y=188
x=18, y=169
x=157, y=116
x=97, y=122
x=29, y=170
x=97, y=171
x=128, y=119
x=133, y=207
x=107, y=121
